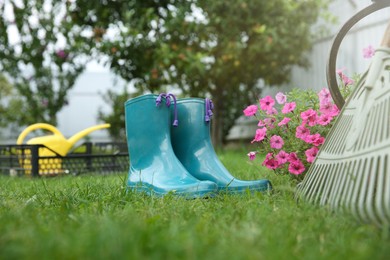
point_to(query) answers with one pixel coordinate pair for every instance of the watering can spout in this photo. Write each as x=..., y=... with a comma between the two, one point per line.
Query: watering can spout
x=76, y=137
x=56, y=142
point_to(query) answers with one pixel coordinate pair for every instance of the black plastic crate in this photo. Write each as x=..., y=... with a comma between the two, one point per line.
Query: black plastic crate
x=100, y=158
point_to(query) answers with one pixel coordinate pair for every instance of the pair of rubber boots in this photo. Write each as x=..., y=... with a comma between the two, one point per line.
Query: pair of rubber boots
x=178, y=159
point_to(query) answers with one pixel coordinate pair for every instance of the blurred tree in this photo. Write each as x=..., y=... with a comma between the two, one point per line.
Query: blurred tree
x=116, y=117
x=10, y=105
x=40, y=52
x=44, y=46
x=216, y=48
x=129, y=36
x=234, y=47
x=126, y=34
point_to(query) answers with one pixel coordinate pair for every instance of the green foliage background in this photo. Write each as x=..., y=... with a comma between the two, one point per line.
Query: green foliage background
x=220, y=49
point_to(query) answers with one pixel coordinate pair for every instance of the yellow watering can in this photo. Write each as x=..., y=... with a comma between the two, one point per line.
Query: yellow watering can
x=56, y=144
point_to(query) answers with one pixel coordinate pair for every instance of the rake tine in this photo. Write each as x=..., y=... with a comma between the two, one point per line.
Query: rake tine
x=351, y=180
x=386, y=193
x=328, y=184
x=379, y=199
x=370, y=198
x=338, y=189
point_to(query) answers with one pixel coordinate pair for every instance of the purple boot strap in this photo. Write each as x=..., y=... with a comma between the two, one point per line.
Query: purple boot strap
x=168, y=97
x=209, y=109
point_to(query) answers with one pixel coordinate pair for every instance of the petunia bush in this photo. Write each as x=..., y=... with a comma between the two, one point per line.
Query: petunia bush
x=293, y=126
x=291, y=129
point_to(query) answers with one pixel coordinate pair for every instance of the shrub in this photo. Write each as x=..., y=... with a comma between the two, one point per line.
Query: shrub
x=292, y=128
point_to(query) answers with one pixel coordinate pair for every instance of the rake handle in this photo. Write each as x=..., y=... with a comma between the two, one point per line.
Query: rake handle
x=386, y=38
x=331, y=65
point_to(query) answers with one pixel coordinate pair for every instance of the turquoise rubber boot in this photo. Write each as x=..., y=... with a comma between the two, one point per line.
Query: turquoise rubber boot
x=154, y=168
x=192, y=145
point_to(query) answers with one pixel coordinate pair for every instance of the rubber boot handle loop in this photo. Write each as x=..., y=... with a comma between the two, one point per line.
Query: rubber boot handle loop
x=168, y=103
x=209, y=109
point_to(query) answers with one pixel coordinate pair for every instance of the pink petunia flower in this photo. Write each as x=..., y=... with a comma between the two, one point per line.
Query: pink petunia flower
x=267, y=103
x=326, y=107
x=340, y=71
x=315, y=139
x=282, y=157
x=324, y=119
x=335, y=110
x=302, y=132
x=250, y=110
x=311, y=138
x=272, y=111
x=269, y=156
x=346, y=80
x=296, y=167
x=309, y=117
x=261, y=123
x=260, y=135
x=288, y=107
x=324, y=96
x=293, y=157
x=281, y=98
x=319, y=141
x=269, y=122
x=284, y=121
x=368, y=52
x=276, y=142
x=251, y=155
x=311, y=154
x=270, y=162
x=62, y=54
x=330, y=109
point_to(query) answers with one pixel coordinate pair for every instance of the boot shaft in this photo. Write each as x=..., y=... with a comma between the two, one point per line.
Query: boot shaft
x=193, y=126
x=192, y=145
x=147, y=128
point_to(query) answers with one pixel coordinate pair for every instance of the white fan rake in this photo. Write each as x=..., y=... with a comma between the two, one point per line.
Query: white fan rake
x=352, y=169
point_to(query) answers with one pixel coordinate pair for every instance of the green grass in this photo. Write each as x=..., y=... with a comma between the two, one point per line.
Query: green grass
x=92, y=217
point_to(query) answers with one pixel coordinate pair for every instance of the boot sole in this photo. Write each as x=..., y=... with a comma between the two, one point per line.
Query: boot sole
x=153, y=191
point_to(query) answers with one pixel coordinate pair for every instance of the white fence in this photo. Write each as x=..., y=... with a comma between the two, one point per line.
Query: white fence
x=369, y=31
